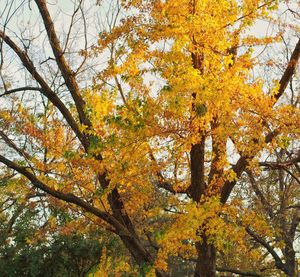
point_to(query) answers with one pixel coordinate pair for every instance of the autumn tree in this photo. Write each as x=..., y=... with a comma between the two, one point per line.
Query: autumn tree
x=157, y=141
x=271, y=195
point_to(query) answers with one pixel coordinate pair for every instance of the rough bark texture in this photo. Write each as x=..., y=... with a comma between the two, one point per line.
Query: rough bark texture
x=197, y=187
x=290, y=263
x=206, y=260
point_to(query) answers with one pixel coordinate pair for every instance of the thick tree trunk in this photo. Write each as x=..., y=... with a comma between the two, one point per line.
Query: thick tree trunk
x=198, y=186
x=206, y=261
x=290, y=263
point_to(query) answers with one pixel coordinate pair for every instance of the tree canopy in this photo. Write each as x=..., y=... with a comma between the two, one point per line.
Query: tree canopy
x=172, y=125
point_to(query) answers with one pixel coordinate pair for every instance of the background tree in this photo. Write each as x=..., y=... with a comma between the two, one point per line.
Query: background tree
x=273, y=196
x=40, y=239
x=172, y=121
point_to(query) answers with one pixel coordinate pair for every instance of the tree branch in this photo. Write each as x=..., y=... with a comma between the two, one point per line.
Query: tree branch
x=279, y=264
x=64, y=67
x=114, y=197
x=13, y=219
x=223, y=269
x=127, y=234
x=282, y=164
x=238, y=169
x=11, y=144
x=45, y=89
x=289, y=71
x=8, y=92
x=295, y=222
x=161, y=182
x=260, y=195
x=198, y=185
x=67, y=197
x=239, y=272
x=242, y=163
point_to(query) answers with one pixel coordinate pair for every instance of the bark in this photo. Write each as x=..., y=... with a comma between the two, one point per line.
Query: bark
x=206, y=253
x=290, y=263
x=197, y=187
x=289, y=252
x=219, y=151
x=141, y=256
x=289, y=71
x=206, y=260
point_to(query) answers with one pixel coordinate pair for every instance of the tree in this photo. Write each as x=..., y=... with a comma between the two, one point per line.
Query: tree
x=40, y=239
x=156, y=142
x=272, y=196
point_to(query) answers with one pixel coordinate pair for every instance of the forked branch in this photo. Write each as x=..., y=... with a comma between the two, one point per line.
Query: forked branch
x=67, y=197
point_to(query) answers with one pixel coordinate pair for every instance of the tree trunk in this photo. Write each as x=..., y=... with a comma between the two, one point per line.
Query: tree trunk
x=290, y=263
x=206, y=261
x=140, y=254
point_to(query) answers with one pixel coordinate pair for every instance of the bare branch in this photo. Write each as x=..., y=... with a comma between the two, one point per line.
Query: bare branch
x=239, y=272
x=45, y=89
x=259, y=194
x=278, y=262
x=281, y=164
x=11, y=91
x=62, y=63
x=71, y=25
x=85, y=42
x=11, y=144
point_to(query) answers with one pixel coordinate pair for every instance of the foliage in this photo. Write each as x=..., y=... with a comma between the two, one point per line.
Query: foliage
x=156, y=146
x=30, y=248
